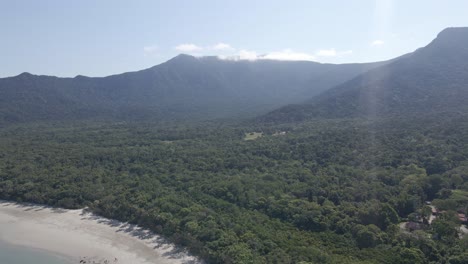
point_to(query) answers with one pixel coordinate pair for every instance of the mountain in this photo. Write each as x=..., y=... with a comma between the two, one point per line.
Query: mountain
x=183, y=87
x=431, y=80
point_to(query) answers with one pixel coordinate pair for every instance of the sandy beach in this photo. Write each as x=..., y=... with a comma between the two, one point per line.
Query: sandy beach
x=82, y=236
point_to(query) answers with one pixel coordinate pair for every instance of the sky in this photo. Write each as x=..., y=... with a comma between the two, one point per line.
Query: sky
x=99, y=38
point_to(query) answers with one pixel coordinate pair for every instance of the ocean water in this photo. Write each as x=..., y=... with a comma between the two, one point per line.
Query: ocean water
x=10, y=254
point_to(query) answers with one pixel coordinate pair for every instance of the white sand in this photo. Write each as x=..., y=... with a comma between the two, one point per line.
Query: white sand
x=80, y=235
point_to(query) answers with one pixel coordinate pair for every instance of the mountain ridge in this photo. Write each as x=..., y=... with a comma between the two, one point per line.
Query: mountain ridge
x=431, y=79
x=183, y=87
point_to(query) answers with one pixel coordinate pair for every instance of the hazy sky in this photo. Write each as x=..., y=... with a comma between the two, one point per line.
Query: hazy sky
x=97, y=38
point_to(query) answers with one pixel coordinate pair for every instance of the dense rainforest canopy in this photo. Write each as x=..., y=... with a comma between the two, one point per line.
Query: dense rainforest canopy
x=324, y=191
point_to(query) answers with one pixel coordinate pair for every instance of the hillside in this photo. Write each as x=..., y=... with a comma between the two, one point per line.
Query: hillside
x=184, y=87
x=433, y=79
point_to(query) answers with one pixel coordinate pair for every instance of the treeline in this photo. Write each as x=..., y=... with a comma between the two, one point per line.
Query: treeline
x=328, y=191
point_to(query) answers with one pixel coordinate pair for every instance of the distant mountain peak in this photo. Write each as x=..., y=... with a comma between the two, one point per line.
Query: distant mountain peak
x=25, y=74
x=451, y=31
x=453, y=37
x=183, y=57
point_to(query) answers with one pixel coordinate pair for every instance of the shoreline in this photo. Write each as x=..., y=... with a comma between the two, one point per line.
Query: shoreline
x=21, y=254
x=80, y=235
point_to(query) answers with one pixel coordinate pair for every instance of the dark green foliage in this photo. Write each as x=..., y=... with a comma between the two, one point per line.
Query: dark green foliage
x=326, y=192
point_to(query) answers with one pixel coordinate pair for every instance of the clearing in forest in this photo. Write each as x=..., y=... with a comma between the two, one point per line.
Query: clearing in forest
x=252, y=135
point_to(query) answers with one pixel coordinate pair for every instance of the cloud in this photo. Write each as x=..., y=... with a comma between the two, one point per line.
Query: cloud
x=377, y=42
x=222, y=47
x=284, y=55
x=288, y=55
x=188, y=47
x=148, y=50
x=247, y=55
x=241, y=55
x=227, y=52
x=333, y=53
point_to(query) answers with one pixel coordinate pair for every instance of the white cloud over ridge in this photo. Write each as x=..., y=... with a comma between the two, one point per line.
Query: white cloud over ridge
x=222, y=47
x=288, y=55
x=227, y=52
x=247, y=55
x=284, y=55
x=188, y=47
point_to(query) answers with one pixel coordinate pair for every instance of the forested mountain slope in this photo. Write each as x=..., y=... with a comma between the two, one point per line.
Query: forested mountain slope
x=183, y=87
x=431, y=79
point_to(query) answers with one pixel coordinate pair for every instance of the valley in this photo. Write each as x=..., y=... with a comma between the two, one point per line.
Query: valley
x=256, y=161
